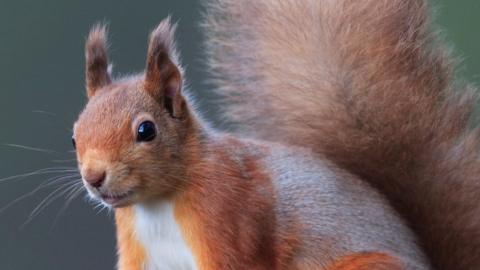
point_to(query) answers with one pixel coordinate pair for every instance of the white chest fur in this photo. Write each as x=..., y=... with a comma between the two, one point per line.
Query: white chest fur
x=161, y=237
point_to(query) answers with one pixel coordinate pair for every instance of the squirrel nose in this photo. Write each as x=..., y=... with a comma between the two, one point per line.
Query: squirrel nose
x=95, y=179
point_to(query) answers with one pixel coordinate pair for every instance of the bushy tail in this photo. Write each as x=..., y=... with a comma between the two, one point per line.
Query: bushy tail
x=366, y=84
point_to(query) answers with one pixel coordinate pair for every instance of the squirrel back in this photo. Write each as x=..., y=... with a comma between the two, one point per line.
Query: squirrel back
x=368, y=85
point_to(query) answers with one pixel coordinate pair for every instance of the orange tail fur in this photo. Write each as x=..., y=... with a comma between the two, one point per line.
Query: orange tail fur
x=366, y=84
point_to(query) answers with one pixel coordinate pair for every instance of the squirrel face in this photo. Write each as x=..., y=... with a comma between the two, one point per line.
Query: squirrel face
x=132, y=136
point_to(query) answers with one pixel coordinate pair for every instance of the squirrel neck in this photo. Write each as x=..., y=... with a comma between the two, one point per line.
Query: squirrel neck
x=208, y=155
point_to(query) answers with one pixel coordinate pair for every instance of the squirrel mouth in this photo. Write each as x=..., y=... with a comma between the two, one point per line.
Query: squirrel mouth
x=115, y=199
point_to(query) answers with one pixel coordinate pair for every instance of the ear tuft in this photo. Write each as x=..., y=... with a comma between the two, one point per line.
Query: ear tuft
x=97, y=67
x=163, y=74
x=162, y=38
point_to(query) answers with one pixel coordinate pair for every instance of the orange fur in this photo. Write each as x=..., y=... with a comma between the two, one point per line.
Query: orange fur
x=131, y=253
x=242, y=218
x=366, y=261
x=193, y=233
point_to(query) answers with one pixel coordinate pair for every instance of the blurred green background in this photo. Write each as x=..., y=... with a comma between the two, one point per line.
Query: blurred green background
x=42, y=91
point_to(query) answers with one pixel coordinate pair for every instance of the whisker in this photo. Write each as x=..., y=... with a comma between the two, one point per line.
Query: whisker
x=40, y=172
x=35, y=190
x=99, y=205
x=64, y=160
x=47, y=201
x=26, y=147
x=102, y=207
x=70, y=177
x=44, y=112
x=70, y=197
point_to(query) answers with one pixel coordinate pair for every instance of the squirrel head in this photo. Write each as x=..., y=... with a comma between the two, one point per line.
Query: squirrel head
x=135, y=135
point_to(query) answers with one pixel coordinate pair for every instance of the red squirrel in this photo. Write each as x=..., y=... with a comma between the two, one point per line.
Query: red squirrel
x=353, y=149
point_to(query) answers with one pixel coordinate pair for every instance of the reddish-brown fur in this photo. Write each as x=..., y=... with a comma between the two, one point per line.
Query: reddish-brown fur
x=96, y=68
x=366, y=261
x=131, y=253
x=368, y=85
x=368, y=92
x=243, y=219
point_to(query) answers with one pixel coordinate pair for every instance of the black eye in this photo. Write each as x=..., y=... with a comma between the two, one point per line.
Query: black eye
x=146, y=131
x=74, y=144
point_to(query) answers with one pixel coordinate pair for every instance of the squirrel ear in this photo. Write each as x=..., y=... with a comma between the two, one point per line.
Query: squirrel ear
x=163, y=75
x=96, y=70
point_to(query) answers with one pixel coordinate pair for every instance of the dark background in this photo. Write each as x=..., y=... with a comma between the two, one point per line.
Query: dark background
x=42, y=91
